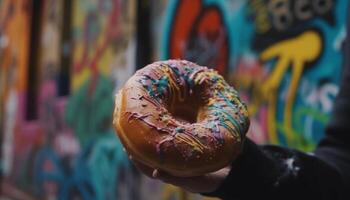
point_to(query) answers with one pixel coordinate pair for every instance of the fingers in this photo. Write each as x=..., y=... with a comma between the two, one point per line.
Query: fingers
x=157, y=174
x=167, y=178
x=183, y=182
x=205, y=183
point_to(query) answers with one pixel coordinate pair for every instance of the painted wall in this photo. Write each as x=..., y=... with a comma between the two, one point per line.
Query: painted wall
x=14, y=43
x=66, y=148
x=69, y=149
x=283, y=56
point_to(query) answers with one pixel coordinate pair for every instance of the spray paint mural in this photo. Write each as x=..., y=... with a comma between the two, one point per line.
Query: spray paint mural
x=284, y=56
x=101, y=34
x=67, y=149
x=14, y=43
x=89, y=107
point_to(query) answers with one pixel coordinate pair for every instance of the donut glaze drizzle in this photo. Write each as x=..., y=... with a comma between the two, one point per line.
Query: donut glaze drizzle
x=219, y=114
x=177, y=79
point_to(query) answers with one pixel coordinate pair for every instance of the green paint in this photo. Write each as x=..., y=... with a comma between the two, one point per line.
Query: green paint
x=90, y=115
x=105, y=161
x=299, y=141
x=306, y=111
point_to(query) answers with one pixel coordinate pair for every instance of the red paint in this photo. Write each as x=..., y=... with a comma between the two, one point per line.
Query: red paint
x=193, y=20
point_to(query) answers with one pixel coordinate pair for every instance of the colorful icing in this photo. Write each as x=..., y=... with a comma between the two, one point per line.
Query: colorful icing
x=171, y=82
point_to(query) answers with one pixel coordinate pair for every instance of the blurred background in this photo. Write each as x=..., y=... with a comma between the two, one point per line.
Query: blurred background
x=62, y=61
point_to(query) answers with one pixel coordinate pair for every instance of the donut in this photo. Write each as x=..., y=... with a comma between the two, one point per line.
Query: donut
x=181, y=118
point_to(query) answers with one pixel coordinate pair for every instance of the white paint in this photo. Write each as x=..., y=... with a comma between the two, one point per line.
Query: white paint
x=320, y=98
x=9, y=129
x=123, y=65
x=340, y=39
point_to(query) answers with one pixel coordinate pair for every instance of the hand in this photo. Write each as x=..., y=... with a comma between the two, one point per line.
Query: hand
x=199, y=184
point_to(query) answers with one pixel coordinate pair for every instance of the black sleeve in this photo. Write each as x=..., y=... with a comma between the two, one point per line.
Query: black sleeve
x=272, y=172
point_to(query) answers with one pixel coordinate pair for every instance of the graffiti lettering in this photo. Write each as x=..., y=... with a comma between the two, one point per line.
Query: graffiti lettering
x=322, y=6
x=285, y=12
x=261, y=15
x=281, y=16
x=302, y=11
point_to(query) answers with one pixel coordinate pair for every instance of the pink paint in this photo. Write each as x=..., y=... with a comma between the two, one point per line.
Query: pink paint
x=258, y=127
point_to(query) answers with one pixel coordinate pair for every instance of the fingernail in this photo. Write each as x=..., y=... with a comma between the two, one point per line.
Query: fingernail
x=155, y=173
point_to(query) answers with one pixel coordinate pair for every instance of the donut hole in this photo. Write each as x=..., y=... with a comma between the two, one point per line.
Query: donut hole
x=187, y=111
x=185, y=114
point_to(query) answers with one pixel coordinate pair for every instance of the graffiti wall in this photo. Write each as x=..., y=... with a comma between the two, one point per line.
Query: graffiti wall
x=103, y=57
x=14, y=42
x=67, y=150
x=56, y=100
x=57, y=103
x=283, y=56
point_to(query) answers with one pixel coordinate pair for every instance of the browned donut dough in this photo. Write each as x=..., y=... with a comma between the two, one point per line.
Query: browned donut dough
x=181, y=118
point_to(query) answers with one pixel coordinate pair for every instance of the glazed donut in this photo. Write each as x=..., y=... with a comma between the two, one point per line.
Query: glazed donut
x=181, y=118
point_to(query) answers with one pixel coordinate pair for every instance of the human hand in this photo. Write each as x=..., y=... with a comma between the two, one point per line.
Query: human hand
x=199, y=184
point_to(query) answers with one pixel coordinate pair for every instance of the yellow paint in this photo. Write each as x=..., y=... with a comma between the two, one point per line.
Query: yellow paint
x=80, y=78
x=104, y=62
x=292, y=53
x=170, y=191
